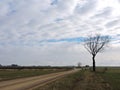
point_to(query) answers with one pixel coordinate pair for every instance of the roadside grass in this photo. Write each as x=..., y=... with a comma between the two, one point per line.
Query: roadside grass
x=103, y=79
x=65, y=83
x=112, y=76
x=7, y=74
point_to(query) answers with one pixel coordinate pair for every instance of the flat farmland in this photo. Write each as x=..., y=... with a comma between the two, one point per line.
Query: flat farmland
x=112, y=76
x=103, y=79
x=8, y=74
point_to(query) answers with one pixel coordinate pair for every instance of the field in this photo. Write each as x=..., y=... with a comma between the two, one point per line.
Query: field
x=112, y=76
x=7, y=74
x=103, y=79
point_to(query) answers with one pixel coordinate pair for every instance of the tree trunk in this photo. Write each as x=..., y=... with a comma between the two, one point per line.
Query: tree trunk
x=94, y=68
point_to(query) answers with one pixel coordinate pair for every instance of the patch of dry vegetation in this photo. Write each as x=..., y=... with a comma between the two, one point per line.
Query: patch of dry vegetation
x=92, y=81
x=83, y=80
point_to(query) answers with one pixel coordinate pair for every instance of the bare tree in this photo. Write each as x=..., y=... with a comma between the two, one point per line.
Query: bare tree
x=95, y=44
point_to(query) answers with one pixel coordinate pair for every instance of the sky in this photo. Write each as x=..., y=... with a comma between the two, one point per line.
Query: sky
x=50, y=32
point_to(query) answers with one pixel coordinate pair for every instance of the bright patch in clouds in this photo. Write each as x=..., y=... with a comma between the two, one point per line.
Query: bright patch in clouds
x=50, y=32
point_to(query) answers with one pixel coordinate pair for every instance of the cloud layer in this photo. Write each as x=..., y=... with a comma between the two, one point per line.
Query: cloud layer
x=45, y=29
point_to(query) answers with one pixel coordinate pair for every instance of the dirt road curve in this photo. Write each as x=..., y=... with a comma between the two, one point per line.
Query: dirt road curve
x=32, y=82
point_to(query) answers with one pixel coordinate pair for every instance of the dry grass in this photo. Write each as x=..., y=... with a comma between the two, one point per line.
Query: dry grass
x=83, y=80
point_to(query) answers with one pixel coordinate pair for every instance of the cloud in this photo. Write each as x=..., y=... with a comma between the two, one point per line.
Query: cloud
x=110, y=55
x=86, y=6
x=106, y=12
x=55, y=54
x=112, y=23
x=62, y=8
x=54, y=29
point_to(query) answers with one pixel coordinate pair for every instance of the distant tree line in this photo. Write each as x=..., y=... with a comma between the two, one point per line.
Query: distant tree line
x=15, y=66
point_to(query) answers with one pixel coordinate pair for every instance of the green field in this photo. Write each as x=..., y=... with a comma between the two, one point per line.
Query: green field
x=112, y=76
x=7, y=74
x=103, y=79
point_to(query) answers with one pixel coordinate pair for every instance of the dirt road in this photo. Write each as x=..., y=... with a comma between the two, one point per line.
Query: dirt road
x=32, y=82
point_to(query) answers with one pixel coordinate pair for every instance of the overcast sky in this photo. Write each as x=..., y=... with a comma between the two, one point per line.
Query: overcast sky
x=50, y=32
